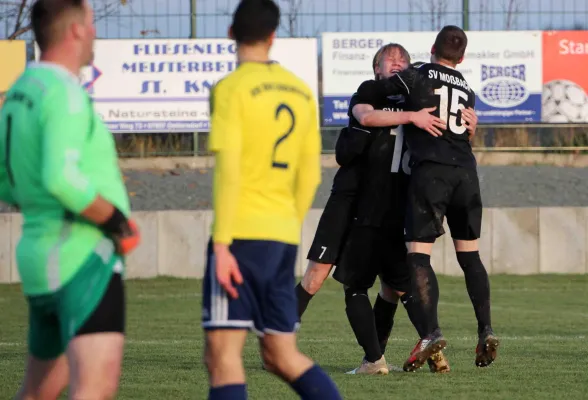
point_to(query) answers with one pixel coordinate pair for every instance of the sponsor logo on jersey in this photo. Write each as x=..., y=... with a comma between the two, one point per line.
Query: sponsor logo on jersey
x=503, y=86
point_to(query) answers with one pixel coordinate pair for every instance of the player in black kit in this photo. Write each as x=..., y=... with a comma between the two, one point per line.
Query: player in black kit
x=350, y=151
x=444, y=182
x=372, y=174
x=374, y=245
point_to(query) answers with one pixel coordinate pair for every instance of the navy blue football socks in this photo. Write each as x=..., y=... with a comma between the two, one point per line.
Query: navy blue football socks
x=228, y=392
x=315, y=384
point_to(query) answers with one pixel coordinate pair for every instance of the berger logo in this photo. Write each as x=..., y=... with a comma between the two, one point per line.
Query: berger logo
x=503, y=86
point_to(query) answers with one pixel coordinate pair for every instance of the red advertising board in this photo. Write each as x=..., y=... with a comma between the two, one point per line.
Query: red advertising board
x=565, y=76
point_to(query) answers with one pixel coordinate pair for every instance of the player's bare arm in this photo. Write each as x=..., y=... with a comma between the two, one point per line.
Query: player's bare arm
x=401, y=83
x=368, y=116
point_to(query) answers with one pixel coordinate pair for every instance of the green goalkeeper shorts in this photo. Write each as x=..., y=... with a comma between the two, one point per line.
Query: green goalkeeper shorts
x=55, y=318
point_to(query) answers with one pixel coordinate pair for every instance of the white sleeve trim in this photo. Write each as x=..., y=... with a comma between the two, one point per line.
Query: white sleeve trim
x=359, y=129
x=404, y=83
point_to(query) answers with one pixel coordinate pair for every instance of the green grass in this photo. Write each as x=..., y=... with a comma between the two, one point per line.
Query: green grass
x=542, y=320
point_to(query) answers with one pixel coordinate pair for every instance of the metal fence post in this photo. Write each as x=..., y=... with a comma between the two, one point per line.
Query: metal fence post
x=465, y=15
x=196, y=146
x=193, y=19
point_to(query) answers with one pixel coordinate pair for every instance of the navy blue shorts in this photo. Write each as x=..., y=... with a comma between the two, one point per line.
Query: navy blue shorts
x=267, y=301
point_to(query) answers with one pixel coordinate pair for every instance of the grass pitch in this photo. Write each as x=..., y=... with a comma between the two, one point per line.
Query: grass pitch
x=542, y=322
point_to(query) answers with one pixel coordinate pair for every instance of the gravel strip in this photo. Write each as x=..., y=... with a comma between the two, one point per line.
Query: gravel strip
x=510, y=186
x=540, y=186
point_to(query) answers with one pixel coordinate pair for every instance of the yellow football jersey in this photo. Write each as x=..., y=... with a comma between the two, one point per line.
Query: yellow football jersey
x=266, y=138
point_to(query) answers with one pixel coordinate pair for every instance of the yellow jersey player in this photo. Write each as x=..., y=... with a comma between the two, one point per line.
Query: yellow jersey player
x=266, y=140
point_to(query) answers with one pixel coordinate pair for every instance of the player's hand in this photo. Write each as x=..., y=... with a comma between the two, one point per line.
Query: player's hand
x=122, y=231
x=424, y=120
x=468, y=115
x=227, y=269
x=127, y=239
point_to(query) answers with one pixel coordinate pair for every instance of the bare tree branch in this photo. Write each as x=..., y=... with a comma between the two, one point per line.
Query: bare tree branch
x=147, y=32
x=410, y=14
x=483, y=14
x=9, y=9
x=293, y=14
x=20, y=31
x=512, y=9
x=20, y=11
x=319, y=29
x=441, y=13
x=437, y=11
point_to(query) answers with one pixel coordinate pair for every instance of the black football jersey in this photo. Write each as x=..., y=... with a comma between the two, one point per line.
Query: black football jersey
x=431, y=85
x=384, y=168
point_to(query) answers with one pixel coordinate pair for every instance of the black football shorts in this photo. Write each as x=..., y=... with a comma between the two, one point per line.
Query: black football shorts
x=370, y=252
x=437, y=191
x=332, y=228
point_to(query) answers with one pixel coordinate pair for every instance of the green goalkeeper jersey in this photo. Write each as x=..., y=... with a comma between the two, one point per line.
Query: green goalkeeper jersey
x=56, y=155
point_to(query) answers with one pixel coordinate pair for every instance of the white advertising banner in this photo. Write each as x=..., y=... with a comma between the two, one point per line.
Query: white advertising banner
x=164, y=85
x=503, y=68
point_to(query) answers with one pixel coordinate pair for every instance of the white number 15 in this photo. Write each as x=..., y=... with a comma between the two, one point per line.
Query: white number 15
x=444, y=108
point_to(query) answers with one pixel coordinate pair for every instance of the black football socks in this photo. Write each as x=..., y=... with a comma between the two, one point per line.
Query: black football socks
x=384, y=312
x=425, y=290
x=361, y=318
x=413, y=310
x=303, y=299
x=478, y=286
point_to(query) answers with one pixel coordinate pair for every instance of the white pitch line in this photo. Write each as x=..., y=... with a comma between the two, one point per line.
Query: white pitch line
x=163, y=342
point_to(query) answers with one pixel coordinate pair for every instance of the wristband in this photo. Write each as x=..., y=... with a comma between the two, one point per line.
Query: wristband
x=116, y=223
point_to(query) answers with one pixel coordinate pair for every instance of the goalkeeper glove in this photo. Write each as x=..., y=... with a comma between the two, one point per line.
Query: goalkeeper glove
x=122, y=231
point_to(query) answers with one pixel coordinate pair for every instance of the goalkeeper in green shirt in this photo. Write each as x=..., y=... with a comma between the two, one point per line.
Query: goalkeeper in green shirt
x=58, y=165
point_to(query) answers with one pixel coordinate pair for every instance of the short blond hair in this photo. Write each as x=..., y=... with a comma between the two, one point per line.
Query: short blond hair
x=387, y=48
